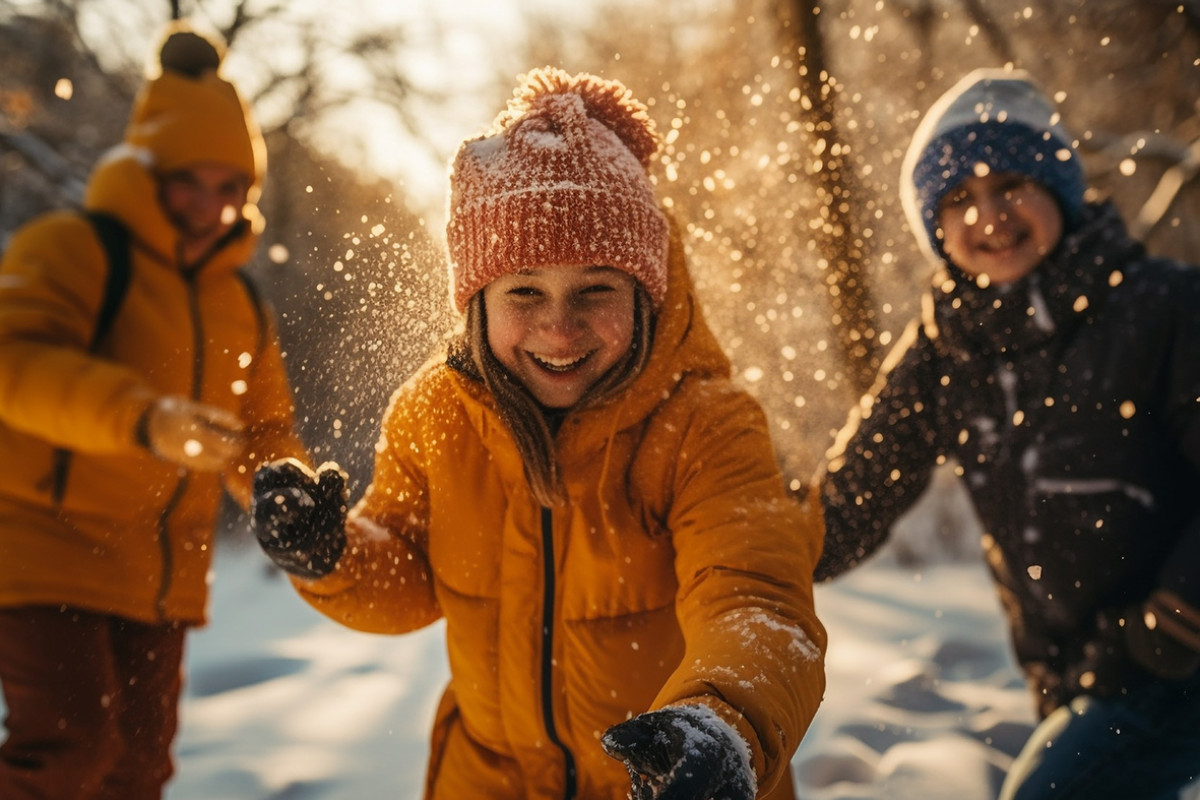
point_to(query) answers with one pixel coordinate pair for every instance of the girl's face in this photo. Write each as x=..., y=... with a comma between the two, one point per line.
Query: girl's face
x=558, y=329
x=999, y=225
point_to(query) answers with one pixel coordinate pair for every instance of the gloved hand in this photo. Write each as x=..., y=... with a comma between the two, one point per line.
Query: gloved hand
x=1152, y=646
x=193, y=435
x=1103, y=663
x=682, y=753
x=299, y=516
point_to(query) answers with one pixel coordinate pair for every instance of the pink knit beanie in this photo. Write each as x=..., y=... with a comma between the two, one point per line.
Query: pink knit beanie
x=559, y=179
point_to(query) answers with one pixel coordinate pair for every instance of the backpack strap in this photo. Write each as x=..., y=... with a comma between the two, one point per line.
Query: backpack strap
x=115, y=240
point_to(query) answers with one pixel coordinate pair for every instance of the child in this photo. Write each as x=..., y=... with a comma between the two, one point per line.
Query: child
x=579, y=490
x=142, y=379
x=1057, y=363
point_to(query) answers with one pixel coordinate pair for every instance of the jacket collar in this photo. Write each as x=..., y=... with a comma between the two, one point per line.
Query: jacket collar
x=123, y=186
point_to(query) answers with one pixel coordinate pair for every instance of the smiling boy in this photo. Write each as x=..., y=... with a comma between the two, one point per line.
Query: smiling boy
x=1055, y=362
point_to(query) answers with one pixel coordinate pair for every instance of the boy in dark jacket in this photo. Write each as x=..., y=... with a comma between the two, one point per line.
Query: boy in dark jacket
x=1059, y=366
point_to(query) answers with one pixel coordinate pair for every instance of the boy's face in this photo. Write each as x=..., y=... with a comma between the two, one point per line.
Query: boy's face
x=203, y=201
x=999, y=226
x=559, y=329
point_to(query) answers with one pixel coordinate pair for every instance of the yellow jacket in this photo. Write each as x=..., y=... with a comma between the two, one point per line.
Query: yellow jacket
x=127, y=533
x=678, y=572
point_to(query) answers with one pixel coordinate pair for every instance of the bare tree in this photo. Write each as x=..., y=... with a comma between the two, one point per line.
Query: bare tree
x=840, y=196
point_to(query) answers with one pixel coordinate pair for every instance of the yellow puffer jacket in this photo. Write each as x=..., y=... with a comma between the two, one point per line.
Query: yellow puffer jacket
x=111, y=528
x=679, y=571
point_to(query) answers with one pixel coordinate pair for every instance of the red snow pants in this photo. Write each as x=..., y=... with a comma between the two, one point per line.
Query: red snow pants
x=92, y=704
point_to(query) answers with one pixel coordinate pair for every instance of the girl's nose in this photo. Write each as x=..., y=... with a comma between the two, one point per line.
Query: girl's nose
x=560, y=319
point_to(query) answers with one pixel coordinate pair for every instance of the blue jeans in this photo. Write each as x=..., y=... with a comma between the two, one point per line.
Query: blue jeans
x=1145, y=745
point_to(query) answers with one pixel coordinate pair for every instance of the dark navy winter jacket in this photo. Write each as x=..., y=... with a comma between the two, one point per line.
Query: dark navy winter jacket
x=1071, y=402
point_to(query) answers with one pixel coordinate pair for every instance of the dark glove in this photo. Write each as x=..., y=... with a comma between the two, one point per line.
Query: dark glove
x=299, y=515
x=682, y=753
x=1148, y=636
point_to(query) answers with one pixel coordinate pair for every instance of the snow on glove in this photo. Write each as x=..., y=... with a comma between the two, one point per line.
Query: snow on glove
x=299, y=516
x=682, y=753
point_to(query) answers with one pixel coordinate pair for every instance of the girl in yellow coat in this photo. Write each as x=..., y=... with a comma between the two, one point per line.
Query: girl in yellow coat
x=579, y=490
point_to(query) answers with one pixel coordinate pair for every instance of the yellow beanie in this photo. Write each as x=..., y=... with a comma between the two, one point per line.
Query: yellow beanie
x=188, y=113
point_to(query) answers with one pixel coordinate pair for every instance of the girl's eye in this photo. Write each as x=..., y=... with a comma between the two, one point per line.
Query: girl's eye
x=598, y=288
x=523, y=291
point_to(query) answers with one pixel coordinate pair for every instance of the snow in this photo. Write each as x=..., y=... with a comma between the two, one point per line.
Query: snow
x=923, y=699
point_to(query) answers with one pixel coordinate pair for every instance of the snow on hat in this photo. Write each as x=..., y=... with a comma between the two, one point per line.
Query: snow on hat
x=188, y=113
x=561, y=178
x=994, y=117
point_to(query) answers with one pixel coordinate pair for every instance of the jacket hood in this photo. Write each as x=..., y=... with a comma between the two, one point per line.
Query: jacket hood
x=1074, y=279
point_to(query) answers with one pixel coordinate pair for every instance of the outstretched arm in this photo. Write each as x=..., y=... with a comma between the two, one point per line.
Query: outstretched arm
x=882, y=459
x=382, y=581
x=753, y=646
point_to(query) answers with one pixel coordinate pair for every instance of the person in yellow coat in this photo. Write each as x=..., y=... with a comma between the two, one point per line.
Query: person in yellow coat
x=117, y=437
x=579, y=490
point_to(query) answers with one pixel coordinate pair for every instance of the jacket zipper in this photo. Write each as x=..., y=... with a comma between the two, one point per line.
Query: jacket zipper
x=164, y=535
x=548, y=584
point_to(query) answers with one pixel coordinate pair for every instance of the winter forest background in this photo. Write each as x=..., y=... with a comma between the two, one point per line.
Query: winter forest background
x=785, y=123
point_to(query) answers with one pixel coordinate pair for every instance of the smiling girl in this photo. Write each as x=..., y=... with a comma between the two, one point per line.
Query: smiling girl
x=579, y=490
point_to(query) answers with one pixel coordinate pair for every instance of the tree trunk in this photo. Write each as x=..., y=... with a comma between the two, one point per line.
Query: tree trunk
x=839, y=237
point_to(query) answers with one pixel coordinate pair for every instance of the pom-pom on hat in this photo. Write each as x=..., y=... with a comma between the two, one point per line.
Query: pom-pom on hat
x=998, y=118
x=188, y=113
x=561, y=178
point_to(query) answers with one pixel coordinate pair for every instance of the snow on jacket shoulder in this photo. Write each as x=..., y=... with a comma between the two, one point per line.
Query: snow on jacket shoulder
x=90, y=518
x=677, y=572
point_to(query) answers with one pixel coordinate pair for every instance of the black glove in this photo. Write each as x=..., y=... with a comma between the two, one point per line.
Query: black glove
x=682, y=753
x=299, y=515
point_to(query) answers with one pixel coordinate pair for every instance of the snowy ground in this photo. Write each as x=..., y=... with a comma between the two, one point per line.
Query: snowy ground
x=923, y=699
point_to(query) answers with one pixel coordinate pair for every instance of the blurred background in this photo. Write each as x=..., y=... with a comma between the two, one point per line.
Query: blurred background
x=785, y=123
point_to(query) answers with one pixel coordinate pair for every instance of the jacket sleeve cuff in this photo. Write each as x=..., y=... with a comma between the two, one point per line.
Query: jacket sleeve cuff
x=1173, y=616
x=141, y=431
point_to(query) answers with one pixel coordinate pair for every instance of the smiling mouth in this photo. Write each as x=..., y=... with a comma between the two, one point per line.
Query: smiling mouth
x=560, y=365
x=1003, y=242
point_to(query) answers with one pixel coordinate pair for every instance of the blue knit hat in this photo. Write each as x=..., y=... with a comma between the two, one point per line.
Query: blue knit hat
x=994, y=117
